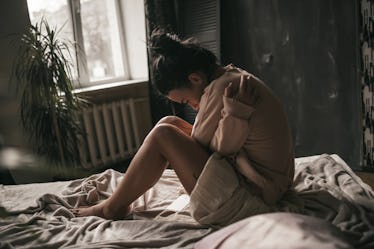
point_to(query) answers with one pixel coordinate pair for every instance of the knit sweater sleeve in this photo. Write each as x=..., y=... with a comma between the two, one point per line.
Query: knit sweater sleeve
x=233, y=127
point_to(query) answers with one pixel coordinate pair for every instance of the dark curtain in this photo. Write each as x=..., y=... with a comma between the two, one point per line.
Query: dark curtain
x=160, y=14
x=367, y=79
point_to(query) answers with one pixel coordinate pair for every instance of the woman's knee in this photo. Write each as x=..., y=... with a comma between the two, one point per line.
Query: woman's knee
x=168, y=120
x=163, y=132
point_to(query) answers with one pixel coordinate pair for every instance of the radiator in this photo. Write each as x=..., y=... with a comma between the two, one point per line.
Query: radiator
x=113, y=131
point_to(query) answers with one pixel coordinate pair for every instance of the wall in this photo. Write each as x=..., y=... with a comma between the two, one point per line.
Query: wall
x=13, y=20
x=307, y=52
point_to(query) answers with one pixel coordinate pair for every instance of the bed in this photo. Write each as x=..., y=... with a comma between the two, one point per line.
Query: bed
x=330, y=207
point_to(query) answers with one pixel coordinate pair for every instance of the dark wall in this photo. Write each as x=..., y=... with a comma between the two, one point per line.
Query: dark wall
x=307, y=52
x=14, y=19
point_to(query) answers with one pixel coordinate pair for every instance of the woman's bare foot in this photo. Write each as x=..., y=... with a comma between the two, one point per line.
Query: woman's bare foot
x=102, y=210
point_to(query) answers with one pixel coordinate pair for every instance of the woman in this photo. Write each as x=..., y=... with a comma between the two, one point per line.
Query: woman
x=235, y=161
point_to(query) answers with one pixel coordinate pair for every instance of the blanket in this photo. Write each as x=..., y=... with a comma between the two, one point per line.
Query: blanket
x=325, y=188
x=330, y=208
x=41, y=216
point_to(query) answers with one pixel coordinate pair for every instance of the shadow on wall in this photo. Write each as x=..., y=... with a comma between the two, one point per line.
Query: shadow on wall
x=302, y=51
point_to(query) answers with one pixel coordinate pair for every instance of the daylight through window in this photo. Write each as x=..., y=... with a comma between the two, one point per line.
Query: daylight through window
x=99, y=55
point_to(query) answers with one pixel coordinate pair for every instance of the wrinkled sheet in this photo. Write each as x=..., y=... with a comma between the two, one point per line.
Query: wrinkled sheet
x=330, y=190
x=41, y=217
x=335, y=209
x=279, y=230
x=328, y=197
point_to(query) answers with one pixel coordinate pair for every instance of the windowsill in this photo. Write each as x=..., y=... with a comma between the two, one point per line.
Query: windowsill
x=104, y=86
x=108, y=92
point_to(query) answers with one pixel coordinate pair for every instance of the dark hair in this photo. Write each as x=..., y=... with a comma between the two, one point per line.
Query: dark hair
x=174, y=59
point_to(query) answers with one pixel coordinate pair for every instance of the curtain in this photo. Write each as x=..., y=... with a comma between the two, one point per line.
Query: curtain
x=160, y=14
x=367, y=80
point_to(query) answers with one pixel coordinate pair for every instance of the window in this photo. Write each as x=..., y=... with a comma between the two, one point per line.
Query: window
x=97, y=26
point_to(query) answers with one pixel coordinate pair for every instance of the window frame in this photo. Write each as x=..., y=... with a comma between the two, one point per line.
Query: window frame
x=74, y=7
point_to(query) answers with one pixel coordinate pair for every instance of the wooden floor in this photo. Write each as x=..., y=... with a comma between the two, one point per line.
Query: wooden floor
x=367, y=177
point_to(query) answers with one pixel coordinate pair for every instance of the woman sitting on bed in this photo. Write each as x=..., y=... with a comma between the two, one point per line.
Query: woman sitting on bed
x=236, y=160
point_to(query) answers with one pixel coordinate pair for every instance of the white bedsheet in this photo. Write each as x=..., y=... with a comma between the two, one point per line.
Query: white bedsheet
x=329, y=197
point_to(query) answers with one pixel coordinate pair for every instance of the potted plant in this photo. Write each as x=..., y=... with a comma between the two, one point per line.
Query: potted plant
x=48, y=105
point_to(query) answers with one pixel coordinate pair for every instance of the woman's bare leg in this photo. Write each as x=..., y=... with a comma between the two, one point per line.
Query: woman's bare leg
x=178, y=122
x=165, y=143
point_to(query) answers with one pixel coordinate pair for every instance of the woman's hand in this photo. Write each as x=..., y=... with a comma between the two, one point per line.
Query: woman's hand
x=243, y=91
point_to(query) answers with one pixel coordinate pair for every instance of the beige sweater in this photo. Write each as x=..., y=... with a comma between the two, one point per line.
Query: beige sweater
x=257, y=138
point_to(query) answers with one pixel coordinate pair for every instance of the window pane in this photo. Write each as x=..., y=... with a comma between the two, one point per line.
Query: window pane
x=102, y=41
x=57, y=14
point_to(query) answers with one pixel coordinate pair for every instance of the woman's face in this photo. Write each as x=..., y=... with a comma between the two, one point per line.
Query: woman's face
x=191, y=95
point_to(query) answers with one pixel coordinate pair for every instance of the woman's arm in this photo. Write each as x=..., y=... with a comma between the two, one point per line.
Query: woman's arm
x=238, y=105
